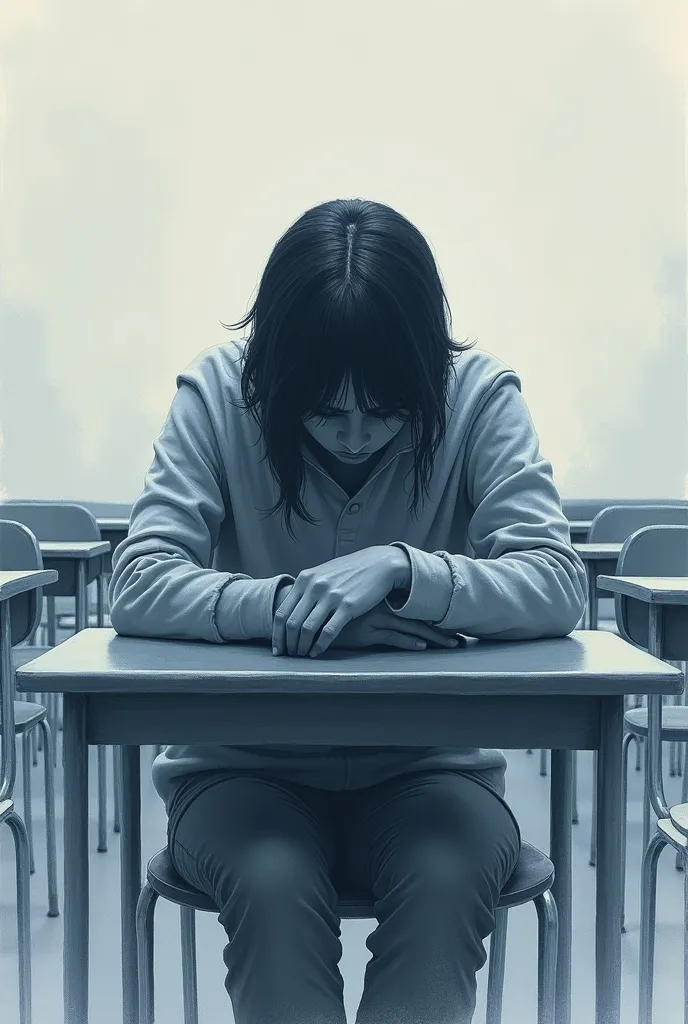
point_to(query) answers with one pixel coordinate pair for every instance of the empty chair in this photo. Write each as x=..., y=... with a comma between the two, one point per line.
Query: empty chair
x=656, y=551
x=19, y=550
x=615, y=524
x=64, y=521
x=18, y=616
x=531, y=880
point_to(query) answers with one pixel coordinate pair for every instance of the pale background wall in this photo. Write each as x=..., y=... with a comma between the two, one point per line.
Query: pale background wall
x=152, y=153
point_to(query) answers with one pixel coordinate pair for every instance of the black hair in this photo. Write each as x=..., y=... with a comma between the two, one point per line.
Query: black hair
x=351, y=289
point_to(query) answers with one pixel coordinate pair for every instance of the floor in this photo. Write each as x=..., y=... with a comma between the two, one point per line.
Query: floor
x=528, y=795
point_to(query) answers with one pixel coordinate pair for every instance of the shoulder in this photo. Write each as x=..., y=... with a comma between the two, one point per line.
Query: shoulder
x=216, y=367
x=476, y=375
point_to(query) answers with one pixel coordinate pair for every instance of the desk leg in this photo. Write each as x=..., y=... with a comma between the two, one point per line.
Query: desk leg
x=561, y=792
x=609, y=863
x=75, y=755
x=130, y=868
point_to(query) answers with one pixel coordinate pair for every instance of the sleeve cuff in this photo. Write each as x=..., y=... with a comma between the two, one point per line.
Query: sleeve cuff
x=431, y=590
x=244, y=609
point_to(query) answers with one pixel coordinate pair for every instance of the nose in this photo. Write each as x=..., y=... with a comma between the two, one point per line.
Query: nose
x=353, y=437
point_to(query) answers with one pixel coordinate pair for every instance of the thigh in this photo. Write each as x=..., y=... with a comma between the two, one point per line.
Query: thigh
x=248, y=827
x=440, y=828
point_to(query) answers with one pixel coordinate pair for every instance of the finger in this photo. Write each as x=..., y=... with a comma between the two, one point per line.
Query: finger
x=422, y=631
x=332, y=629
x=279, y=622
x=403, y=641
x=295, y=622
x=310, y=628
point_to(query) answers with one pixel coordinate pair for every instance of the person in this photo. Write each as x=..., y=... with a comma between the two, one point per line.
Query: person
x=348, y=383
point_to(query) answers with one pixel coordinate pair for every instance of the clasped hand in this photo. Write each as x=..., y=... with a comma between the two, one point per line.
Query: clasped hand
x=335, y=598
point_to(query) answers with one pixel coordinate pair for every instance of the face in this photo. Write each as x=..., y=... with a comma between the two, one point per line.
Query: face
x=350, y=434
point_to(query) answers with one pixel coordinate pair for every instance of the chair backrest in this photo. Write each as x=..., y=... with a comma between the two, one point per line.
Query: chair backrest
x=617, y=522
x=654, y=551
x=108, y=509
x=588, y=508
x=19, y=550
x=58, y=521
x=52, y=520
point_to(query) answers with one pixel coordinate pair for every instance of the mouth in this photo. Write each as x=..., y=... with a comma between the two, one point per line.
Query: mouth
x=350, y=455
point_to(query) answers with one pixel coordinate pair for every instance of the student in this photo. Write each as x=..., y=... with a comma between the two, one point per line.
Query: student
x=277, y=509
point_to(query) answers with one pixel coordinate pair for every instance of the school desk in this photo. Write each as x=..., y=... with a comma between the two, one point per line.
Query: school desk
x=565, y=693
x=578, y=529
x=70, y=559
x=598, y=558
x=113, y=529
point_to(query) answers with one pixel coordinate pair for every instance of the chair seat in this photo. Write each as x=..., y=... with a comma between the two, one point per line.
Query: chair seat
x=674, y=721
x=23, y=655
x=672, y=834
x=26, y=715
x=532, y=876
x=679, y=818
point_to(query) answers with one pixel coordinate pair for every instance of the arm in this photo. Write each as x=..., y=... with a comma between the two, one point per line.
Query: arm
x=162, y=584
x=526, y=580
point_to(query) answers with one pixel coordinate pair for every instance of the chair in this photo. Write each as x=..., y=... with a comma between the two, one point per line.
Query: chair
x=19, y=550
x=531, y=880
x=656, y=551
x=612, y=521
x=18, y=617
x=615, y=524
x=58, y=520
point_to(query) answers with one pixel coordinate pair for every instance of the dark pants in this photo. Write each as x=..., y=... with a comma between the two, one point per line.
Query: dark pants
x=435, y=848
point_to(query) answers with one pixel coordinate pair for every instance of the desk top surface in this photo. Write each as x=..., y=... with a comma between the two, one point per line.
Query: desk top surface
x=595, y=551
x=19, y=581
x=653, y=589
x=586, y=662
x=74, y=548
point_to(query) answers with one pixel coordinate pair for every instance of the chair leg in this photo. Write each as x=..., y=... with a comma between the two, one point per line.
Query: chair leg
x=548, y=938
x=50, y=837
x=638, y=752
x=624, y=819
x=574, y=786
x=145, y=937
x=543, y=763
x=648, y=911
x=593, y=831
x=685, y=935
x=36, y=744
x=21, y=846
x=648, y=813
x=189, y=979
x=26, y=787
x=495, y=977
x=680, y=866
x=52, y=718
x=117, y=787
x=102, y=800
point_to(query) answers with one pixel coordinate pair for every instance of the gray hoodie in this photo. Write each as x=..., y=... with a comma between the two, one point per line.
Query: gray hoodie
x=490, y=551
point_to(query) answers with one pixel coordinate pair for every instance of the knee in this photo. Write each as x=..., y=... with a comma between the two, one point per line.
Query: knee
x=436, y=877
x=274, y=874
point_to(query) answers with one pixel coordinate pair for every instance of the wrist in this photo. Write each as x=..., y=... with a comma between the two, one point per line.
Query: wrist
x=281, y=594
x=400, y=569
